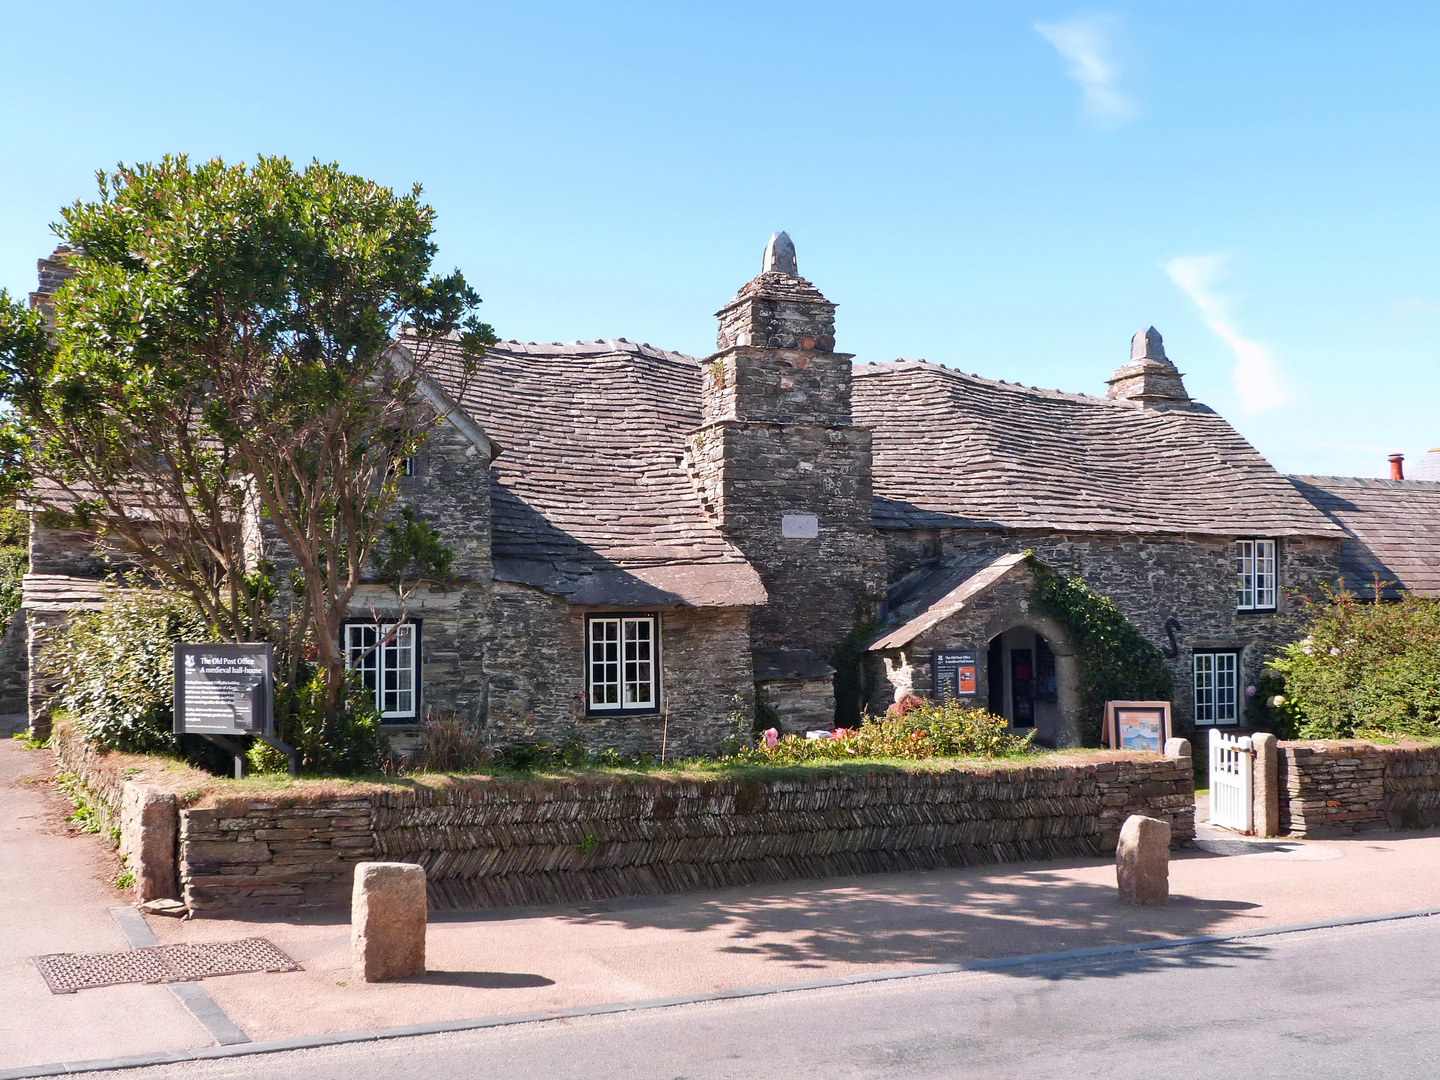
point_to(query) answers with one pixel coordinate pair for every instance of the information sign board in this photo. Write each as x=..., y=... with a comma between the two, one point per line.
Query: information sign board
x=224, y=690
x=952, y=672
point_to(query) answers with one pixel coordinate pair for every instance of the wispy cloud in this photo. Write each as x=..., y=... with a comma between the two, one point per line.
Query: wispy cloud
x=1087, y=41
x=1256, y=382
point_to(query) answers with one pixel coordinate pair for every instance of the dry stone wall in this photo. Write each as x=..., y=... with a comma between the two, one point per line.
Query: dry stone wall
x=495, y=843
x=1332, y=787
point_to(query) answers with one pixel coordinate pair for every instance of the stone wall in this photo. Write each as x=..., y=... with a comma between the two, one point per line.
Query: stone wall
x=136, y=804
x=14, y=677
x=490, y=843
x=1332, y=787
x=751, y=476
x=537, y=678
x=1152, y=579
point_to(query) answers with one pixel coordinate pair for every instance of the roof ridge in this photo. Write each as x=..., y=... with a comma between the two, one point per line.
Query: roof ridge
x=595, y=347
x=1384, y=481
x=902, y=364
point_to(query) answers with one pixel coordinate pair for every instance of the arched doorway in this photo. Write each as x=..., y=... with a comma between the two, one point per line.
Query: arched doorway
x=1032, y=679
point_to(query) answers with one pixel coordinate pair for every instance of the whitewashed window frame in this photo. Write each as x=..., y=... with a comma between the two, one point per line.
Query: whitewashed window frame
x=622, y=663
x=1215, y=679
x=1257, y=571
x=388, y=656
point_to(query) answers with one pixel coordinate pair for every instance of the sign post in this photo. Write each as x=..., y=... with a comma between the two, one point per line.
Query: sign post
x=952, y=672
x=224, y=690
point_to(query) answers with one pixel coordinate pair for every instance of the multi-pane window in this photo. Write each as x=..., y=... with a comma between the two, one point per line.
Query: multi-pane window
x=1217, y=688
x=622, y=670
x=1255, y=575
x=385, y=655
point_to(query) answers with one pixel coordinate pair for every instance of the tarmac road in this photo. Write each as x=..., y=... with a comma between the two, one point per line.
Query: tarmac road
x=1360, y=1001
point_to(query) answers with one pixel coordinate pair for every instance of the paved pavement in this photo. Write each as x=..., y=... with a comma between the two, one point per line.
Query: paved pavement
x=1345, y=1003
x=55, y=896
x=545, y=959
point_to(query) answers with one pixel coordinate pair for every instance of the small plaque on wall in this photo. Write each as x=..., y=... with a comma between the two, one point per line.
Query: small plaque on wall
x=953, y=673
x=799, y=526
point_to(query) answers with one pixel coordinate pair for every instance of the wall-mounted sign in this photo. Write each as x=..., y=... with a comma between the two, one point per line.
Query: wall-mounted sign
x=953, y=673
x=1137, y=725
x=224, y=690
x=799, y=526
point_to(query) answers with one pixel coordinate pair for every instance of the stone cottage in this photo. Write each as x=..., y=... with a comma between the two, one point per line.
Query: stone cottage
x=648, y=542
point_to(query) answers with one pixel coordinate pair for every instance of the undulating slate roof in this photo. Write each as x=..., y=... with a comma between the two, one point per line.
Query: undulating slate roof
x=1392, y=528
x=958, y=451
x=591, y=498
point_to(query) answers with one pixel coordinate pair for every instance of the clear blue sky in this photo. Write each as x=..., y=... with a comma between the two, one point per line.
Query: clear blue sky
x=1010, y=189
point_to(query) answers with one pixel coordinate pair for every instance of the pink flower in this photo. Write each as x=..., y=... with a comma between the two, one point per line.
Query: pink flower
x=1249, y=691
x=1334, y=651
x=839, y=733
x=771, y=736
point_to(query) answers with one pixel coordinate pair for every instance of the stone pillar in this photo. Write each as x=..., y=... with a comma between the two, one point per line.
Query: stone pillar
x=1142, y=860
x=387, y=921
x=149, y=826
x=1267, y=784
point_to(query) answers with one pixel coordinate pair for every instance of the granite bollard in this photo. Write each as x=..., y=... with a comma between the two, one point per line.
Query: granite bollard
x=1142, y=860
x=387, y=921
x=1267, y=783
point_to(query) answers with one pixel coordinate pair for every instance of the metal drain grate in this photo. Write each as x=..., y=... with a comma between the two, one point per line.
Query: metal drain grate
x=65, y=973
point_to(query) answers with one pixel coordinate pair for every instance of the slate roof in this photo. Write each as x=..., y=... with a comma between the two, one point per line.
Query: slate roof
x=958, y=451
x=1392, y=528
x=590, y=495
x=944, y=595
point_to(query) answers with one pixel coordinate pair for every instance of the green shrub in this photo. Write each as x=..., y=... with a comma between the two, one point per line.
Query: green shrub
x=1116, y=662
x=352, y=744
x=116, y=667
x=14, y=562
x=1366, y=669
x=926, y=729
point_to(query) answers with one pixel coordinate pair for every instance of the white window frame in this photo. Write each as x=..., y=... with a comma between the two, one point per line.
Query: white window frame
x=622, y=663
x=1216, y=683
x=1257, y=567
x=388, y=656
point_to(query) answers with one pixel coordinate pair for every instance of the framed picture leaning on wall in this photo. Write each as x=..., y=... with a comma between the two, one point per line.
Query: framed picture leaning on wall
x=1137, y=725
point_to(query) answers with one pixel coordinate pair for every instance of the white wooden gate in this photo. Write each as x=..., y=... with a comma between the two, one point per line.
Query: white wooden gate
x=1232, y=782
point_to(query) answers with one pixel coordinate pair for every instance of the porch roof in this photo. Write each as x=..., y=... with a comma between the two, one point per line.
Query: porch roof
x=950, y=595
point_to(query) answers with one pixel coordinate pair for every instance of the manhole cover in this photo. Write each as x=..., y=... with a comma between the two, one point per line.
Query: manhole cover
x=67, y=972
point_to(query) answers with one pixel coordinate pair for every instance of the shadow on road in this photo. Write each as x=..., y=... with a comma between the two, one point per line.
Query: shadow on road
x=946, y=916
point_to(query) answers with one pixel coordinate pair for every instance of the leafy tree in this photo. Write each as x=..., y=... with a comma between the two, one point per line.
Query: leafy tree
x=1364, y=669
x=223, y=367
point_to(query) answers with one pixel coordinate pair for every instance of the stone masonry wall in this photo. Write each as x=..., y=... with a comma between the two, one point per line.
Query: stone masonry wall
x=493, y=843
x=1153, y=579
x=1330, y=787
x=537, y=677
x=754, y=474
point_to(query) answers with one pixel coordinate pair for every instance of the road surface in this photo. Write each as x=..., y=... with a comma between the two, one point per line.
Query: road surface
x=1351, y=1002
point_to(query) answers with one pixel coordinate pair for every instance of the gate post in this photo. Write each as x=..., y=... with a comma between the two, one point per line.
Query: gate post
x=1267, y=784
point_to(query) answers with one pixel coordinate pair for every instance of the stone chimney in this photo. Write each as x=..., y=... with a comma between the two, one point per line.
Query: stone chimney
x=779, y=464
x=53, y=272
x=1397, y=466
x=1149, y=377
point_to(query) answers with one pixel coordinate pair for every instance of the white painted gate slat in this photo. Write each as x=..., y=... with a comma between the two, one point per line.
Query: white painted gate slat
x=1232, y=779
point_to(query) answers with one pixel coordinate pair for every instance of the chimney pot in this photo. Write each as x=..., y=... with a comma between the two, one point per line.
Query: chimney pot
x=1397, y=466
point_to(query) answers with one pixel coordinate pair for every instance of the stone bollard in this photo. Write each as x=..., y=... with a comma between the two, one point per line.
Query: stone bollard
x=1267, y=784
x=387, y=921
x=1142, y=860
